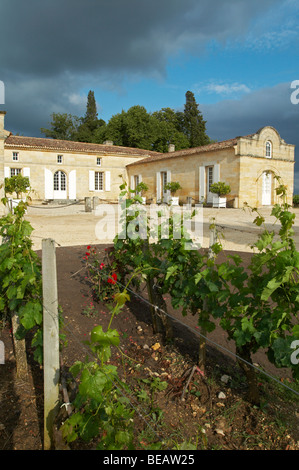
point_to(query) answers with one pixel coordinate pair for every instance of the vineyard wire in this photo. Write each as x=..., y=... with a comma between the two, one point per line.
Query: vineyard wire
x=156, y=307
x=88, y=350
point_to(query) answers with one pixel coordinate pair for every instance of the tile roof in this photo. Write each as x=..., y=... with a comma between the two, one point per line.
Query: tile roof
x=191, y=151
x=14, y=141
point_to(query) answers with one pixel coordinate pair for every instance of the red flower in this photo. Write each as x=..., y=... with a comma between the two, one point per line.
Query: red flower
x=87, y=254
x=113, y=280
x=102, y=265
x=88, y=247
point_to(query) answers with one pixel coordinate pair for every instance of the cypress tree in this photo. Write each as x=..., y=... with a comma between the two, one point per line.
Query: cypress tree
x=195, y=126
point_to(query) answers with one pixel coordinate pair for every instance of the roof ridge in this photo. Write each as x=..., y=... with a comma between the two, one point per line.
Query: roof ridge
x=70, y=144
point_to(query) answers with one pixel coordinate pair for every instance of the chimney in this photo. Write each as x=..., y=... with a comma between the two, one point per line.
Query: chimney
x=108, y=142
x=171, y=148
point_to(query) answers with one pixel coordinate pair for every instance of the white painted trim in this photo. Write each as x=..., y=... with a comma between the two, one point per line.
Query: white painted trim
x=49, y=189
x=107, y=180
x=72, y=184
x=91, y=180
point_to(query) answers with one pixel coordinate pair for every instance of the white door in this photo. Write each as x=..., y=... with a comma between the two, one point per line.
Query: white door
x=60, y=185
x=266, y=189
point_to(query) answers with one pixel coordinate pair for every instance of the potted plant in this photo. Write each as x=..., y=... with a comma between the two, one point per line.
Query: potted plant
x=221, y=189
x=18, y=185
x=140, y=190
x=173, y=187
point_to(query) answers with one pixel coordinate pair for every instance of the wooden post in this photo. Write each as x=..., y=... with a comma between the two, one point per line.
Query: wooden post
x=50, y=339
x=20, y=350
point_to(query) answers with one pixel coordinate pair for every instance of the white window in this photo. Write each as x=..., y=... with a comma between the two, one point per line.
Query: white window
x=136, y=181
x=59, y=181
x=210, y=177
x=59, y=158
x=164, y=181
x=99, y=161
x=98, y=180
x=268, y=149
x=15, y=171
x=15, y=156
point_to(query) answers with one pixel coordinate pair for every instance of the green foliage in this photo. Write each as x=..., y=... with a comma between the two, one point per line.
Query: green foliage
x=135, y=127
x=63, y=126
x=173, y=187
x=194, y=124
x=296, y=199
x=101, y=407
x=20, y=275
x=220, y=188
x=17, y=184
x=259, y=307
x=141, y=188
x=81, y=129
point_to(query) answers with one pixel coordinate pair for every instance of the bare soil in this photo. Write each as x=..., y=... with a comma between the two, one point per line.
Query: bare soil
x=202, y=418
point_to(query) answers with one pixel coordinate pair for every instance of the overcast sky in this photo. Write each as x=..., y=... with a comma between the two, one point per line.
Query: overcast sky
x=239, y=58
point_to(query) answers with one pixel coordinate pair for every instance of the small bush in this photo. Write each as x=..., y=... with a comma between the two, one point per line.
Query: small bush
x=296, y=199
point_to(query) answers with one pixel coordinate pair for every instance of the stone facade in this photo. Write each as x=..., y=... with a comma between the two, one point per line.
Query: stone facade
x=61, y=170
x=248, y=164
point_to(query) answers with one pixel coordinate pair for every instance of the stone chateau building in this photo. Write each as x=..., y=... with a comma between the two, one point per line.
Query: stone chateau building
x=63, y=170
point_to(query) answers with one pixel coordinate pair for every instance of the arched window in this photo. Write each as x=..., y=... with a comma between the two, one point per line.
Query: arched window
x=268, y=149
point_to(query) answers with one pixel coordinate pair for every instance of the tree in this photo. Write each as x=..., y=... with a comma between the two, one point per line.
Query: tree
x=194, y=124
x=68, y=127
x=132, y=128
x=89, y=123
x=63, y=126
x=168, y=130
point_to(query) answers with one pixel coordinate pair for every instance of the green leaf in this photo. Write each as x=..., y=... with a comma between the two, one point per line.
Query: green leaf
x=111, y=337
x=31, y=314
x=171, y=271
x=121, y=298
x=92, y=384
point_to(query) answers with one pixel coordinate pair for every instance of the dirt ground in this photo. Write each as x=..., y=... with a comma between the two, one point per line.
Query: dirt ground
x=216, y=423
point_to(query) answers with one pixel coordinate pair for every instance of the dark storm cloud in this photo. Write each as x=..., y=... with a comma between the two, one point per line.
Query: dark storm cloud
x=49, y=37
x=50, y=49
x=265, y=107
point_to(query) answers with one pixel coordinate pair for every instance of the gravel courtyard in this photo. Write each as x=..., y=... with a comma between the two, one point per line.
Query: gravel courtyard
x=71, y=225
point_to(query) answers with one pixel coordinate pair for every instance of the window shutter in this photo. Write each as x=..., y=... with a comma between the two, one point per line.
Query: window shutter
x=26, y=172
x=201, y=183
x=72, y=184
x=132, y=184
x=49, y=189
x=216, y=175
x=158, y=186
x=6, y=172
x=91, y=180
x=107, y=180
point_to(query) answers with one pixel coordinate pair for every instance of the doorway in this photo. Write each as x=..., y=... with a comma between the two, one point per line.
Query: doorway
x=60, y=191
